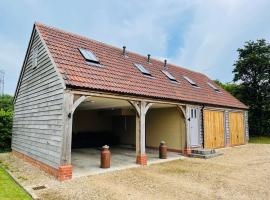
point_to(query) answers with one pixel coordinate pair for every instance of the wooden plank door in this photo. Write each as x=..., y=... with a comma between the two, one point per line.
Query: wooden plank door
x=213, y=129
x=236, y=125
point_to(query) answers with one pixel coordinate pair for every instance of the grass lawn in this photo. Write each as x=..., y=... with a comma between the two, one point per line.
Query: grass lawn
x=260, y=140
x=9, y=189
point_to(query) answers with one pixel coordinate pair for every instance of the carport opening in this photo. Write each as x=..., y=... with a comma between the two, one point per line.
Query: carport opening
x=102, y=121
x=165, y=123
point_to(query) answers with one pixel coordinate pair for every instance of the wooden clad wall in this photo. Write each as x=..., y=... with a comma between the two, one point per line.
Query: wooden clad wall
x=236, y=124
x=38, y=118
x=213, y=129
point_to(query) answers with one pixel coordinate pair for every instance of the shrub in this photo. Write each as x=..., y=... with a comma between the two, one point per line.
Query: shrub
x=6, y=102
x=5, y=129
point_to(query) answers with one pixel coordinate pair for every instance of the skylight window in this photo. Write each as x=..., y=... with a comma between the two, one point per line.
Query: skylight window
x=142, y=69
x=191, y=81
x=168, y=74
x=89, y=56
x=213, y=87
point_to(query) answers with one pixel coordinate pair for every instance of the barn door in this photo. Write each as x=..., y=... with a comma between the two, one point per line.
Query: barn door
x=236, y=124
x=213, y=129
x=194, y=126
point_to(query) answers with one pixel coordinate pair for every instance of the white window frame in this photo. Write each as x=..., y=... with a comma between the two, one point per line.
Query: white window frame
x=213, y=87
x=142, y=69
x=169, y=75
x=194, y=84
x=88, y=55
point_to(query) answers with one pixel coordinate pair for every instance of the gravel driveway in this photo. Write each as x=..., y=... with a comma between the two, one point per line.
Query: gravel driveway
x=241, y=173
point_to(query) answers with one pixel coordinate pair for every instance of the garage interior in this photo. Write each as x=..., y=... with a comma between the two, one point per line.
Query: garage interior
x=105, y=121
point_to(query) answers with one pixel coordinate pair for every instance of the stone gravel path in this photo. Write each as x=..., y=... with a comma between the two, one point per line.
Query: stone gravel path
x=241, y=173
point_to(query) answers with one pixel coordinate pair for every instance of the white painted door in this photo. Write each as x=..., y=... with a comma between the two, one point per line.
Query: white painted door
x=194, y=126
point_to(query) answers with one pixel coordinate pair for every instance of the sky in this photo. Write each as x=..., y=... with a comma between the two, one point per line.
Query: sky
x=201, y=35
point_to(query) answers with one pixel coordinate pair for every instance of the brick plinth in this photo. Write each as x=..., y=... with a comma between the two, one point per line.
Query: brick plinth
x=141, y=159
x=187, y=151
x=227, y=145
x=62, y=173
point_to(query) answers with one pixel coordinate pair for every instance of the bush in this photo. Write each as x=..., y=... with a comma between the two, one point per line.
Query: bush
x=6, y=113
x=6, y=102
x=5, y=129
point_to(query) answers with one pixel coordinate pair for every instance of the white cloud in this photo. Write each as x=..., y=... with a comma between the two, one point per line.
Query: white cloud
x=200, y=34
x=11, y=58
x=217, y=30
x=141, y=26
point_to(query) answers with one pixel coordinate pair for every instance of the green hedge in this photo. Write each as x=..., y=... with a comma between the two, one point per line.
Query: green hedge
x=5, y=129
x=6, y=113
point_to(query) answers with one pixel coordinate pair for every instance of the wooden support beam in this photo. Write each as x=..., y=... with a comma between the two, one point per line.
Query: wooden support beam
x=124, y=97
x=136, y=106
x=68, y=110
x=182, y=109
x=78, y=102
x=67, y=133
x=187, y=149
x=147, y=106
x=141, y=108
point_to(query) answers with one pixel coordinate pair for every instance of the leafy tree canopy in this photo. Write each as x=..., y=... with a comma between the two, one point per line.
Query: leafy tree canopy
x=252, y=75
x=233, y=88
x=6, y=102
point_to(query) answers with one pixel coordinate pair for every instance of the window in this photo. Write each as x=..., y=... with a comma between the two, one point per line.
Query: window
x=213, y=87
x=89, y=56
x=191, y=81
x=169, y=75
x=35, y=57
x=142, y=69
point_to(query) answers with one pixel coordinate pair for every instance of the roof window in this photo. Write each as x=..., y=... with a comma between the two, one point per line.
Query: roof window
x=142, y=69
x=168, y=74
x=213, y=87
x=89, y=55
x=191, y=81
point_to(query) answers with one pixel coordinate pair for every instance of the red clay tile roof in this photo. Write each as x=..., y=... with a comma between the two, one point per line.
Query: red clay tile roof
x=119, y=75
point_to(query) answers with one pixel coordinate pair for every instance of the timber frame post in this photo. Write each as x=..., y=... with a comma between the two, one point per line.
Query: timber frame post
x=184, y=111
x=187, y=149
x=67, y=131
x=141, y=108
x=69, y=108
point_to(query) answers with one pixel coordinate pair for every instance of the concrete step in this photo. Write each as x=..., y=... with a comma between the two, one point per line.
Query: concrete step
x=203, y=151
x=205, y=156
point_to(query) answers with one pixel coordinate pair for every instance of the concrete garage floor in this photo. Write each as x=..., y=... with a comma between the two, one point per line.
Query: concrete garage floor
x=86, y=161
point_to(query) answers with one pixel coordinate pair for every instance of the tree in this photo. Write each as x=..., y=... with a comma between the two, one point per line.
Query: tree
x=6, y=102
x=233, y=88
x=252, y=71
